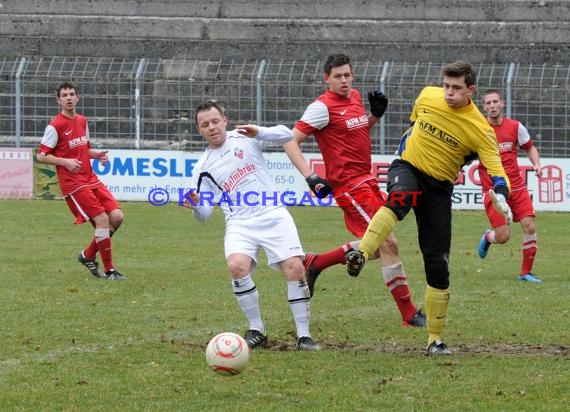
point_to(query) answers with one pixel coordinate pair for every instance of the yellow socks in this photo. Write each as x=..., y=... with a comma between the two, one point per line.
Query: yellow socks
x=379, y=229
x=436, y=311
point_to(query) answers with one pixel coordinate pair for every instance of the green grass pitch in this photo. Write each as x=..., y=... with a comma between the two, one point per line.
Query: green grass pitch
x=70, y=342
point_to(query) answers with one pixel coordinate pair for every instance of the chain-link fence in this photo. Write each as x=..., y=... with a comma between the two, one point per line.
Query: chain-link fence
x=149, y=103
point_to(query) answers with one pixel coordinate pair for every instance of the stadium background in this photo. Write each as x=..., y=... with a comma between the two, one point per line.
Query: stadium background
x=72, y=343
x=143, y=66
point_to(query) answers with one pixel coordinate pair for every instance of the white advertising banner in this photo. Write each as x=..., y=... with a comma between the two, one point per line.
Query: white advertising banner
x=147, y=174
x=16, y=173
x=550, y=192
x=160, y=177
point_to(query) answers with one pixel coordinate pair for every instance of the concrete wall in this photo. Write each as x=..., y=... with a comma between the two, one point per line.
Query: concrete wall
x=418, y=30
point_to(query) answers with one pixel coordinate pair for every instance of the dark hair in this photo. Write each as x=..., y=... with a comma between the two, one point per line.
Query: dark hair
x=461, y=69
x=65, y=85
x=207, y=105
x=491, y=91
x=336, y=60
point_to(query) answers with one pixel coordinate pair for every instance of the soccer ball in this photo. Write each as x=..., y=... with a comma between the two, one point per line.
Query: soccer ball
x=227, y=353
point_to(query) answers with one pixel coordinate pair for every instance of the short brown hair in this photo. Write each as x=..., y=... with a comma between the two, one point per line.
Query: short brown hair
x=65, y=85
x=336, y=60
x=461, y=69
x=492, y=91
x=207, y=105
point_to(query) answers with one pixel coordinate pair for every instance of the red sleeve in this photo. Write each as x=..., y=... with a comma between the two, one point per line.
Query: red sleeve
x=305, y=127
x=45, y=150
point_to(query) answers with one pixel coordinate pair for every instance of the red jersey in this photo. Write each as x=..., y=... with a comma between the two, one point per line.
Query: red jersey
x=69, y=138
x=511, y=135
x=340, y=126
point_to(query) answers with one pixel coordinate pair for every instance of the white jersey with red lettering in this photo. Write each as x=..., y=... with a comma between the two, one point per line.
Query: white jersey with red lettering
x=235, y=176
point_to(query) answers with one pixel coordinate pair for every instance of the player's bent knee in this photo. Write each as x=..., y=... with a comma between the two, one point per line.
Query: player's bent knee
x=293, y=269
x=400, y=207
x=529, y=228
x=101, y=220
x=238, y=265
x=437, y=271
x=500, y=239
x=502, y=234
x=116, y=217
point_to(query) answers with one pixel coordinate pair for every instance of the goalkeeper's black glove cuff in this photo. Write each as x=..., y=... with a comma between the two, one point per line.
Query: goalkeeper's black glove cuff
x=502, y=190
x=378, y=103
x=319, y=186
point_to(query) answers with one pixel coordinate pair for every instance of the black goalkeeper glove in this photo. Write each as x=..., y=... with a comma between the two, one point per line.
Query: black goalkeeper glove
x=378, y=103
x=319, y=186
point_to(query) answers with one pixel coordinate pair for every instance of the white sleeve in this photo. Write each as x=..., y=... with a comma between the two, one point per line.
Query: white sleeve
x=205, y=208
x=50, y=137
x=316, y=115
x=203, y=212
x=524, y=136
x=275, y=136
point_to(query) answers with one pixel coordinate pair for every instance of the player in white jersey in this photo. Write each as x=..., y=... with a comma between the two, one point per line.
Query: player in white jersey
x=233, y=174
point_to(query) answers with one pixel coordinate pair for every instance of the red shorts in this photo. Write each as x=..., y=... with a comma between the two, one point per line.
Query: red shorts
x=519, y=202
x=360, y=205
x=90, y=202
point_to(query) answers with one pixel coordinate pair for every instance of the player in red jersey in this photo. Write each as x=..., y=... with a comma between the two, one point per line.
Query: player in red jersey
x=341, y=126
x=511, y=135
x=65, y=144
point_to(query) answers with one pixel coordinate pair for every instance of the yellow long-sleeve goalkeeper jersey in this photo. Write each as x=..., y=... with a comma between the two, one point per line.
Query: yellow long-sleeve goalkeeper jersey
x=443, y=138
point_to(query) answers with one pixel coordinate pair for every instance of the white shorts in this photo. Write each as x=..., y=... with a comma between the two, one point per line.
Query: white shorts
x=275, y=232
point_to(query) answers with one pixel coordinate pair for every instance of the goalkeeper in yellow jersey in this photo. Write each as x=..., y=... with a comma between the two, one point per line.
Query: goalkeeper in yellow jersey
x=448, y=130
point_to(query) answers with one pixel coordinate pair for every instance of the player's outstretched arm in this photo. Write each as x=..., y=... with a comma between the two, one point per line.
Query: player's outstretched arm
x=272, y=136
x=318, y=185
x=249, y=130
x=295, y=154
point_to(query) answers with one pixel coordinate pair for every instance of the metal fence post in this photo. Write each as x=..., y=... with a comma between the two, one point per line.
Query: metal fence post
x=18, y=104
x=259, y=99
x=509, y=97
x=382, y=120
x=138, y=104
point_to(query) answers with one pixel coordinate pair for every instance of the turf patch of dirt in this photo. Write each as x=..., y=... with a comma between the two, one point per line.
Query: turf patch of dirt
x=458, y=349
